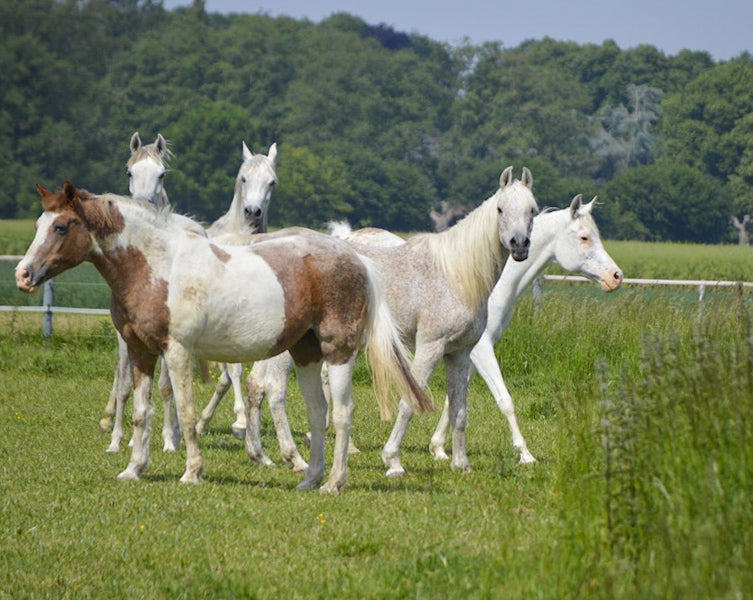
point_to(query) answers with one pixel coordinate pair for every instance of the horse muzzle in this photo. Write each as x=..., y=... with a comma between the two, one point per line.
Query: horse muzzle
x=28, y=281
x=611, y=280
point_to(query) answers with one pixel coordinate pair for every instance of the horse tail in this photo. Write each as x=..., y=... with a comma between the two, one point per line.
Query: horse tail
x=339, y=229
x=387, y=356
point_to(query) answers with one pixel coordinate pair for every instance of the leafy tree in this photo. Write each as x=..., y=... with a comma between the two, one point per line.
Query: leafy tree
x=708, y=125
x=624, y=138
x=666, y=202
x=313, y=189
x=207, y=141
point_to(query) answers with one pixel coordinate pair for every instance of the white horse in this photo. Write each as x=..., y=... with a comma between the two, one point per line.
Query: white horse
x=247, y=215
x=146, y=170
x=437, y=286
x=180, y=295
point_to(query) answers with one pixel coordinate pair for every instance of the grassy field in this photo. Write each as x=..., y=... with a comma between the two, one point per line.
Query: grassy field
x=638, y=406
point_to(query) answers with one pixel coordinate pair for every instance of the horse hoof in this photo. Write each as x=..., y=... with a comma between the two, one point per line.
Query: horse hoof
x=462, y=467
x=239, y=431
x=438, y=453
x=329, y=488
x=190, y=478
x=128, y=475
x=113, y=448
x=169, y=446
x=526, y=458
x=352, y=448
x=396, y=471
x=105, y=425
x=307, y=484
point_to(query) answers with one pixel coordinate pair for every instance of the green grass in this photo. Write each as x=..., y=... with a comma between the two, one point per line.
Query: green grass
x=580, y=523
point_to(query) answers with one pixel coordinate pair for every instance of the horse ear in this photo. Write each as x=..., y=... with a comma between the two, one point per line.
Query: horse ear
x=272, y=155
x=527, y=178
x=589, y=207
x=70, y=191
x=575, y=205
x=161, y=144
x=246, y=152
x=135, y=142
x=41, y=191
x=506, y=178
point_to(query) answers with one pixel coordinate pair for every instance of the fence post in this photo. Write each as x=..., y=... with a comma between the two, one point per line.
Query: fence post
x=47, y=302
x=701, y=292
x=536, y=289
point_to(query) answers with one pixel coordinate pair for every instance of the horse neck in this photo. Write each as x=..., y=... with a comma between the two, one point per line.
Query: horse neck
x=470, y=253
x=140, y=239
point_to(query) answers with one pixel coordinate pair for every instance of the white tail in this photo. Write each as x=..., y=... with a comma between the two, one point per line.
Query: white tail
x=388, y=357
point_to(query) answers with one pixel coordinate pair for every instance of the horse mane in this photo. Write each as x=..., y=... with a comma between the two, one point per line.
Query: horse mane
x=469, y=253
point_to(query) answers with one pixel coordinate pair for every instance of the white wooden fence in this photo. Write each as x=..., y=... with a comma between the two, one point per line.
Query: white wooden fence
x=48, y=307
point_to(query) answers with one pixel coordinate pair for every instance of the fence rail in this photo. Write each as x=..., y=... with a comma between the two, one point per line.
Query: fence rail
x=48, y=307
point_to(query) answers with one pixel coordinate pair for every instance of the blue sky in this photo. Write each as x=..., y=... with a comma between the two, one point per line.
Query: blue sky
x=724, y=28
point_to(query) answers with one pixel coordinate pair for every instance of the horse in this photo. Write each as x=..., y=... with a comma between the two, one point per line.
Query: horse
x=146, y=168
x=437, y=286
x=568, y=237
x=180, y=295
x=247, y=215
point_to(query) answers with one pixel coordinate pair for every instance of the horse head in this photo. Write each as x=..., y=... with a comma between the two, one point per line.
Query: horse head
x=62, y=238
x=254, y=184
x=578, y=248
x=146, y=169
x=516, y=207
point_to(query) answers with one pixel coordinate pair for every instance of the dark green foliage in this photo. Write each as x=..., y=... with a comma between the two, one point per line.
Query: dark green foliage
x=387, y=124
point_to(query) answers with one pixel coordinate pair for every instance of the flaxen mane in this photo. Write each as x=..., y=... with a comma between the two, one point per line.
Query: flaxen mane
x=471, y=261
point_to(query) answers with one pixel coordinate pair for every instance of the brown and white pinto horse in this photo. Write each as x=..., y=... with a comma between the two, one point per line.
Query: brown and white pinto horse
x=180, y=295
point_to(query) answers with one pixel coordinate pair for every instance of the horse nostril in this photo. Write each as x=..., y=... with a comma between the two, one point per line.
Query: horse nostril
x=526, y=243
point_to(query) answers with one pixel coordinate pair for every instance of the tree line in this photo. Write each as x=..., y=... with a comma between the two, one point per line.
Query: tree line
x=373, y=125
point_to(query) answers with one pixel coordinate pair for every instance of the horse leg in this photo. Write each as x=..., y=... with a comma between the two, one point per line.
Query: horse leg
x=235, y=371
x=178, y=363
x=340, y=381
x=276, y=387
x=255, y=383
x=486, y=363
x=170, y=425
x=121, y=389
x=143, y=409
x=456, y=374
x=439, y=437
x=310, y=382
x=424, y=361
x=223, y=385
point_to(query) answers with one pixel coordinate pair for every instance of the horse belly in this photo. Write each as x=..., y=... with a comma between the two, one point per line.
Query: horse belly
x=236, y=314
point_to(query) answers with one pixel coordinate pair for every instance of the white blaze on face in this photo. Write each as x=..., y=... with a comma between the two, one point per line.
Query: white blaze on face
x=25, y=269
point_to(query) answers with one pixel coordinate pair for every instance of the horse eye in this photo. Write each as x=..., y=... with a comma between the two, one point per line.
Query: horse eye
x=584, y=238
x=60, y=229
x=128, y=172
x=243, y=179
x=499, y=210
x=161, y=175
x=271, y=183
